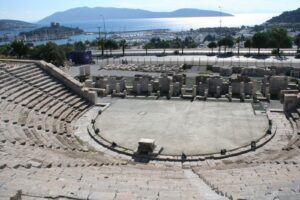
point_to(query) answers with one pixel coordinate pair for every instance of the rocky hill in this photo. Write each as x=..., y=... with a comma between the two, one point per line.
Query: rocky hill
x=287, y=17
x=7, y=24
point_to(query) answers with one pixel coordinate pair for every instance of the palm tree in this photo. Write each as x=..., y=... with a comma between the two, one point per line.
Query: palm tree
x=123, y=44
x=179, y=44
x=248, y=44
x=182, y=47
x=111, y=44
x=212, y=45
x=102, y=45
x=146, y=47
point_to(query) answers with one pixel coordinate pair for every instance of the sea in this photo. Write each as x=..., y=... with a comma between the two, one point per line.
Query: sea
x=172, y=24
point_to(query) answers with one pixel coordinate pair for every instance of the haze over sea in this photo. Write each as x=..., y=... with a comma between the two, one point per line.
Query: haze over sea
x=174, y=24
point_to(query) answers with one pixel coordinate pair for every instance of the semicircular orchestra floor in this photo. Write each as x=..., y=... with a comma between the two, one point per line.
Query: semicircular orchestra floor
x=193, y=128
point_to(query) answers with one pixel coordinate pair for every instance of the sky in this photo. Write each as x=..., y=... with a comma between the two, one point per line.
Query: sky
x=35, y=10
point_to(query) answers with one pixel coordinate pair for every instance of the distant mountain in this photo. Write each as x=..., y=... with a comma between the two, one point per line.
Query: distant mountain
x=7, y=24
x=287, y=17
x=86, y=13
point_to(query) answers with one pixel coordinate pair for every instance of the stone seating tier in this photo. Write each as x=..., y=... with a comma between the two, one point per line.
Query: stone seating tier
x=38, y=110
x=264, y=181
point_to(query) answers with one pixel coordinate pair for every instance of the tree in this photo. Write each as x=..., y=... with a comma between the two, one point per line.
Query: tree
x=123, y=44
x=189, y=42
x=219, y=44
x=101, y=44
x=212, y=45
x=248, y=44
x=181, y=46
x=209, y=38
x=279, y=39
x=177, y=43
x=258, y=28
x=79, y=46
x=19, y=49
x=50, y=52
x=297, y=42
x=226, y=42
x=165, y=44
x=156, y=42
x=147, y=46
x=5, y=49
x=260, y=40
x=67, y=48
x=54, y=54
x=242, y=38
x=229, y=41
x=111, y=44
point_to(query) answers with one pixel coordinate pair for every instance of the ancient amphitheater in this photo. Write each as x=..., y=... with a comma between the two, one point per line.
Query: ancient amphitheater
x=58, y=140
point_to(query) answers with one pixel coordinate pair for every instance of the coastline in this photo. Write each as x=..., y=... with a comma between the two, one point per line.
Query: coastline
x=140, y=29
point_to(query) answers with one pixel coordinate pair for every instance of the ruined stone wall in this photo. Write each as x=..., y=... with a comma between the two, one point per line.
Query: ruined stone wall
x=68, y=81
x=63, y=77
x=278, y=83
x=291, y=102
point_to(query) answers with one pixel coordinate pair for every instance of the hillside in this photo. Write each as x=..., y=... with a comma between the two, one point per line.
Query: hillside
x=86, y=13
x=6, y=24
x=287, y=17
